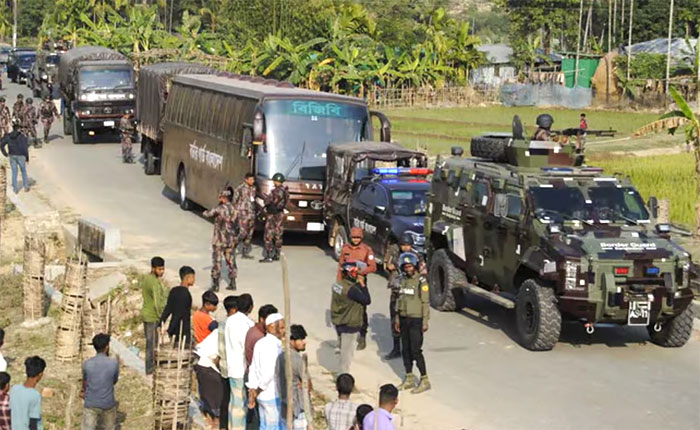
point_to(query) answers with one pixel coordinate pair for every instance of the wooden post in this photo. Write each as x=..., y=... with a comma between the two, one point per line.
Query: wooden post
x=629, y=41
x=668, y=50
x=287, y=346
x=578, y=43
x=306, y=394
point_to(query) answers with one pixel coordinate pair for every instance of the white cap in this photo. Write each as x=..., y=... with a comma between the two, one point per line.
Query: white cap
x=273, y=318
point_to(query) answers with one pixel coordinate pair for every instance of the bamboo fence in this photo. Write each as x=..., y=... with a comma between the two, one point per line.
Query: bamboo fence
x=33, y=283
x=70, y=320
x=172, y=385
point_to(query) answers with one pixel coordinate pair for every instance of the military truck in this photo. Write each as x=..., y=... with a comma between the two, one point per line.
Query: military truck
x=521, y=226
x=44, y=73
x=153, y=88
x=97, y=88
x=380, y=187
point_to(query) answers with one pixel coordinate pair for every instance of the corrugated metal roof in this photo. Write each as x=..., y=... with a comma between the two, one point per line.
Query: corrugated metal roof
x=257, y=88
x=681, y=51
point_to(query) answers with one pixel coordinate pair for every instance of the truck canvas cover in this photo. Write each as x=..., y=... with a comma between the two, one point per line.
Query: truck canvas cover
x=342, y=158
x=153, y=87
x=70, y=60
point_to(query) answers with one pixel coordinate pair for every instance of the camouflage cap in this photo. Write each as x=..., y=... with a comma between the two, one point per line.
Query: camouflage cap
x=224, y=193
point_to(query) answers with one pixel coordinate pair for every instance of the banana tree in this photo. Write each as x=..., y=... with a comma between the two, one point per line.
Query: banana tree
x=289, y=61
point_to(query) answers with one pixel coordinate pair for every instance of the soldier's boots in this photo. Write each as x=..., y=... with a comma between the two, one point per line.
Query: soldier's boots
x=276, y=255
x=408, y=383
x=423, y=386
x=246, y=254
x=361, y=343
x=231, y=285
x=396, y=352
x=215, y=284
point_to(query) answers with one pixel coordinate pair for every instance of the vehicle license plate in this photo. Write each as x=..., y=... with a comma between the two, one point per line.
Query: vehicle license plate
x=314, y=226
x=109, y=123
x=639, y=313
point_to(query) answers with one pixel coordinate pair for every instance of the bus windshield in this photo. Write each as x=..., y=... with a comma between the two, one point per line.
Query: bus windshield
x=298, y=133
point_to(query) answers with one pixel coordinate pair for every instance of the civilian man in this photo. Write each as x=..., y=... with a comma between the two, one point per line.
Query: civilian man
x=100, y=373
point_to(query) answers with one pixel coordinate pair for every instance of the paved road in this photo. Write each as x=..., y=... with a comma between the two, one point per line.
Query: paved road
x=482, y=379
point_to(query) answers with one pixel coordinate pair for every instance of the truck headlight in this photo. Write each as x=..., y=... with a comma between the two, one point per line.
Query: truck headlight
x=571, y=269
x=83, y=97
x=131, y=96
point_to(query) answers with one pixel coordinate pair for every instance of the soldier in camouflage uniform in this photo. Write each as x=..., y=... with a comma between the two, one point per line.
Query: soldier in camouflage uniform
x=244, y=202
x=5, y=118
x=31, y=119
x=18, y=109
x=391, y=266
x=275, y=204
x=126, y=127
x=223, y=240
x=47, y=113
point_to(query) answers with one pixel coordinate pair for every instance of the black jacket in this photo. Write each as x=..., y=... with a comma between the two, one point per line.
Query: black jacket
x=17, y=143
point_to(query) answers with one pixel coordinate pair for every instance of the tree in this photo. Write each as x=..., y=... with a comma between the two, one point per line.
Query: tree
x=30, y=16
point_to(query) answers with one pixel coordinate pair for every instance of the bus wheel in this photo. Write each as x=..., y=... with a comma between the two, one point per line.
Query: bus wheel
x=185, y=203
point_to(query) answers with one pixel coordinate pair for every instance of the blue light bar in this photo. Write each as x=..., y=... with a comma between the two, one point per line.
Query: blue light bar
x=558, y=169
x=652, y=270
x=386, y=171
x=407, y=171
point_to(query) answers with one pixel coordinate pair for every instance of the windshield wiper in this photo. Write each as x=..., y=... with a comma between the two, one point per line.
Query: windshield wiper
x=116, y=87
x=296, y=160
x=625, y=218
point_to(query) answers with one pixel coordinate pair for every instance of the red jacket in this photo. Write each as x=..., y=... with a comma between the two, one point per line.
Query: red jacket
x=361, y=253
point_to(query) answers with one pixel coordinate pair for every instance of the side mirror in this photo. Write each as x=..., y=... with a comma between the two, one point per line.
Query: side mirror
x=258, y=126
x=653, y=206
x=518, y=129
x=380, y=210
x=385, y=130
x=456, y=151
x=247, y=143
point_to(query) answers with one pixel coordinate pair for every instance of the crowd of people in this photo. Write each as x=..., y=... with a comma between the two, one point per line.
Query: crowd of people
x=18, y=132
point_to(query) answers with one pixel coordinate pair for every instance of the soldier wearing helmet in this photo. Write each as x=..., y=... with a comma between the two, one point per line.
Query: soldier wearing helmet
x=349, y=299
x=223, y=241
x=18, y=108
x=5, y=118
x=29, y=122
x=391, y=262
x=358, y=251
x=544, y=127
x=275, y=204
x=411, y=320
x=47, y=113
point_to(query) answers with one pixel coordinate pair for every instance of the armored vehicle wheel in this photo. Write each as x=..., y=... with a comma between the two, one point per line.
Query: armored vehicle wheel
x=443, y=277
x=675, y=332
x=490, y=148
x=341, y=238
x=185, y=203
x=537, y=317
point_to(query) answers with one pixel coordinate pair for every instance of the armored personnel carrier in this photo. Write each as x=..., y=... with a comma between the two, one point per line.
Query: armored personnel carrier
x=525, y=224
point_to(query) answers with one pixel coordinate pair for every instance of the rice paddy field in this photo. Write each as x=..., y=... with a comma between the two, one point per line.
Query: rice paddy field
x=657, y=164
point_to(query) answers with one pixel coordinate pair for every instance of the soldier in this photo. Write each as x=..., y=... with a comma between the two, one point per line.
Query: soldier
x=31, y=119
x=544, y=125
x=411, y=321
x=244, y=202
x=5, y=118
x=358, y=251
x=47, y=113
x=126, y=127
x=275, y=204
x=18, y=108
x=222, y=242
x=390, y=266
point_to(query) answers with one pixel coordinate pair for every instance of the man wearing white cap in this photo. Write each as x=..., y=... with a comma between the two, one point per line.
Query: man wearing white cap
x=262, y=377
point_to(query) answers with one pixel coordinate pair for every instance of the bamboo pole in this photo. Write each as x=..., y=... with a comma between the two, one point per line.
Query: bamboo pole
x=306, y=396
x=609, y=26
x=588, y=26
x=3, y=195
x=614, y=23
x=287, y=340
x=629, y=41
x=578, y=43
x=668, y=50
x=622, y=22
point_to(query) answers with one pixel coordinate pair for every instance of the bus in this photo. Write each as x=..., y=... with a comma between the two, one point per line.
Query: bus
x=218, y=128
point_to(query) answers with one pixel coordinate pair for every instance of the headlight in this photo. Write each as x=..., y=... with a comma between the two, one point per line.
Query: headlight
x=131, y=95
x=83, y=97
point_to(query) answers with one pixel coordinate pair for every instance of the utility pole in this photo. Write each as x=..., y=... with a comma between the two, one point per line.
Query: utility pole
x=15, y=11
x=609, y=26
x=629, y=41
x=578, y=44
x=622, y=23
x=668, y=52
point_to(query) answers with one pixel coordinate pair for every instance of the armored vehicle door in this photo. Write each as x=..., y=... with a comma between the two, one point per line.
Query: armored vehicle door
x=503, y=244
x=477, y=227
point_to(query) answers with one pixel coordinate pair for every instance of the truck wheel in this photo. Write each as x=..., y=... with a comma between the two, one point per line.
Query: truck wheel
x=443, y=277
x=676, y=331
x=490, y=148
x=537, y=317
x=67, y=126
x=149, y=161
x=341, y=238
x=76, y=131
x=185, y=203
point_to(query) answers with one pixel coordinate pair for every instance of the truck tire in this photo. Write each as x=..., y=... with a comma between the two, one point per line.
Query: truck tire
x=149, y=161
x=185, y=203
x=341, y=238
x=67, y=125
x=443, y=277
x=490, y=148
x=537, y=316
x=76, y=132
x=676, y=332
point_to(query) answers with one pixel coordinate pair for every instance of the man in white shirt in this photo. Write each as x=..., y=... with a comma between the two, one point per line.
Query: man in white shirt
x=209, y=378
x=262, y=374
x=236, y=328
